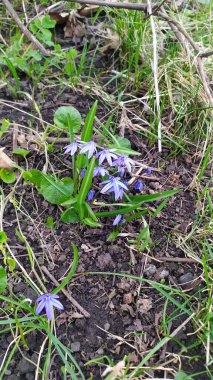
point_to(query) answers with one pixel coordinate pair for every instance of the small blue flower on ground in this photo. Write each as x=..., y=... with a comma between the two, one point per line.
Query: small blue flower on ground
x=83, y=172
x=47, y=301
x=71, y=148
x=148, y=171
x=138, y=185
x=89, y=148
x=123, y=162
x=114, y=185
x=100, y=170
x=119, y=219
x=107, y=155
x=90, y=195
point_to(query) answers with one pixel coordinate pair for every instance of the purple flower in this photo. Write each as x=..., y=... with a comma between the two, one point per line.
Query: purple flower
x=148, y=171
x=138, y=185
x=107, y=155
x=119, y=219
x=47, y=301
x=83, y=172
x=100, y=170
x=90, y=148
x=123, y=162
x=71, y=148
x=90, y=195
x=114, y=185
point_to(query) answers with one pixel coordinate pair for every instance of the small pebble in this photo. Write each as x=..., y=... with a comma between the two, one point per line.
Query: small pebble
x=107, y=326
x=187, y=277
x=75, y=346
x=150, y=270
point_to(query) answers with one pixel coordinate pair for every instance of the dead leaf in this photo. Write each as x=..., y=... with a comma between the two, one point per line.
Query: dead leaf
x=75, y=27
x=128, y=298
x=129, y=308
x=115, y=371
x=112, y=40
x=88, y=10
x=5, y=161
x=60, y=18
x=144, y=305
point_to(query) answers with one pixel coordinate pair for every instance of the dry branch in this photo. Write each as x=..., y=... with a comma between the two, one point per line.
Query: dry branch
x=23, y=28
x=115, y=4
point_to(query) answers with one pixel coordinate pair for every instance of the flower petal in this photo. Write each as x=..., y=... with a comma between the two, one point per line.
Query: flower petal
x=40, y=307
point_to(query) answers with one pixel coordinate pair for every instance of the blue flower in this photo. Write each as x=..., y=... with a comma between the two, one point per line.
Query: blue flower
x=138, y=185
x=123, y=162
x=114, y=185
x=89, y=148
x=90, y=195
x=148, y=171
x=71, y=148
x=83, y=172
x=107, y=155
x=119, y=219
x=47, y=301
x=100, y=170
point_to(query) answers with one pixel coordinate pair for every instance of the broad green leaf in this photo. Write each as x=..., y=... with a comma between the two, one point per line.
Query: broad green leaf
x=85, y=187
x=182, y=376
x=21, y=152
x=4, y=127
x=70, y=202
x=70, y=216
x=54, y=191
x=7, y=176
x=12, y=264
x=122, y=142
x=90, y=222
x=61, y=118
x=3, y=279
x=3, y=237
x=50, y=222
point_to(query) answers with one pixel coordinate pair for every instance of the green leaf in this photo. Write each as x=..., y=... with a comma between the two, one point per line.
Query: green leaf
x=4, y=127
x=88, y=126
x=21, y=152
x=122, y=142
x=3, y=279
x=47, y=22
x=7, y=176
x=3, y=237
x=85, y=187
x=113, y=235
x=182, y=376
x=50, y=222
x=12, y=264
x=124, y=151
x=70, y=216
x=61, y=118
x=152, y=197
x=87, y=132
x=54, y=191
x=90, y=222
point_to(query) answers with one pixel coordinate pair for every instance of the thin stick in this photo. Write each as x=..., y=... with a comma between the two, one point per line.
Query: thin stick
x=155, y=10
x=115, y=4
x=155, y=73
x=23, y=28
x=70, y=298
x=177, y=259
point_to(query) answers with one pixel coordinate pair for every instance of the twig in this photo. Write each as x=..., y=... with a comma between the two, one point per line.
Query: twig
x=115, y=4
x=23, y=28
x=155, y=73
x=177, y=259
x=155, y=10
x=70, y=298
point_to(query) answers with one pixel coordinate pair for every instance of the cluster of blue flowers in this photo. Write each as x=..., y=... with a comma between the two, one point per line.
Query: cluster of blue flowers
x=113, y=184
